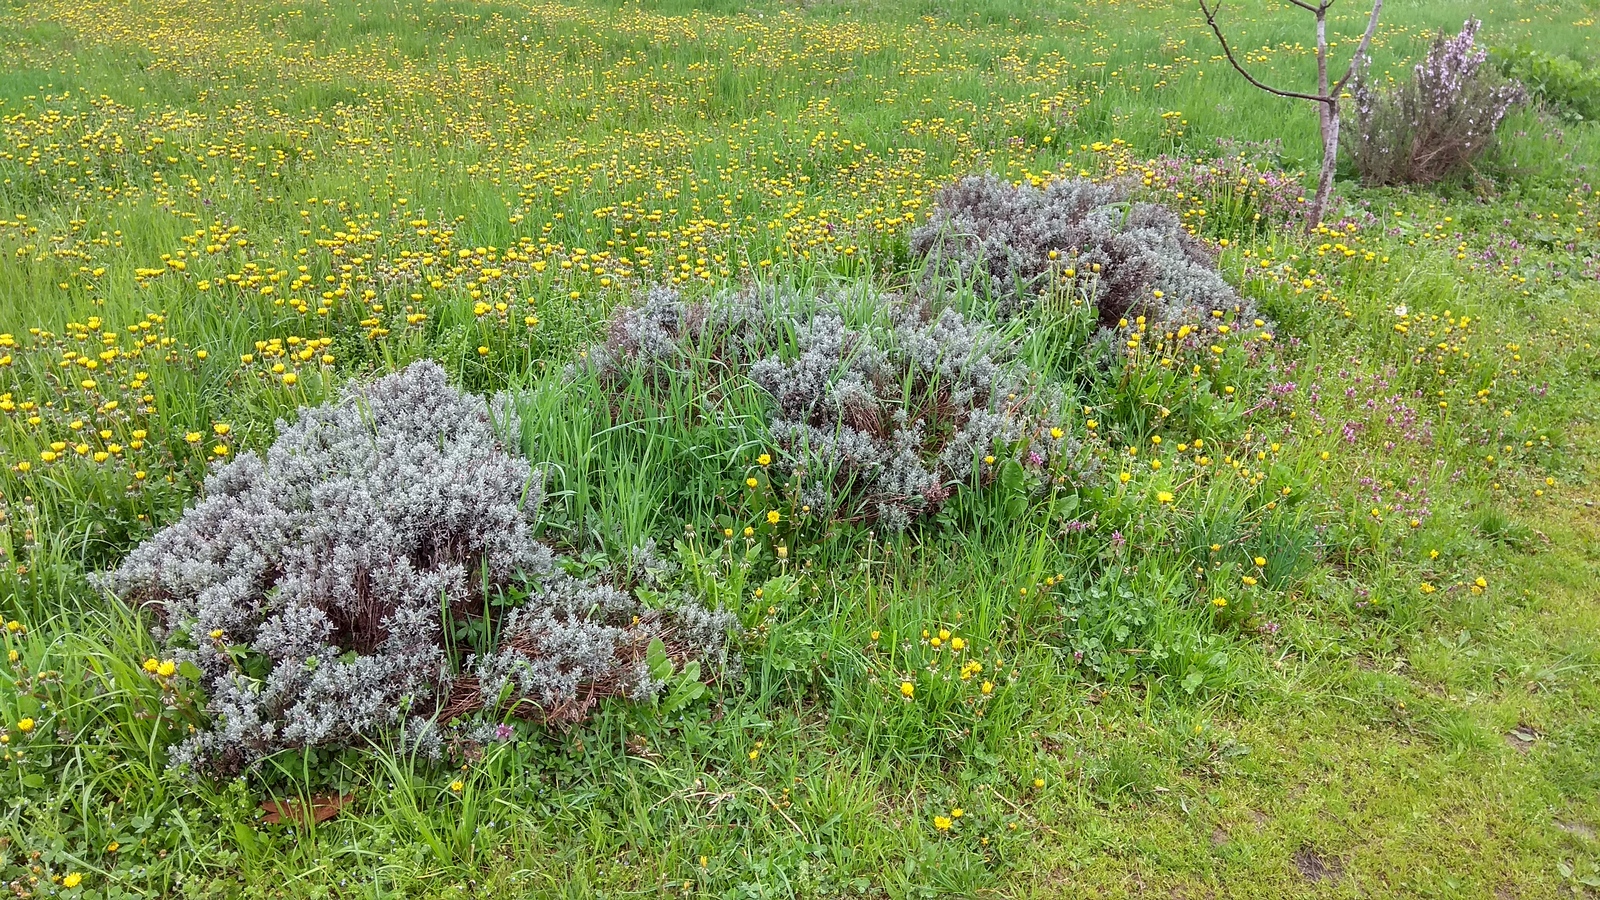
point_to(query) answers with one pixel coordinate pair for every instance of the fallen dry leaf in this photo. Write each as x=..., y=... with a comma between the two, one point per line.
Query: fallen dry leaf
x=323, y=807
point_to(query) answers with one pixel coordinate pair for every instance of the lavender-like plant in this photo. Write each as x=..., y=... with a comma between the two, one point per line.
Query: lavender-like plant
x=882, y=405
x=1435, y=124
x=311, y=588
x=1020, y=243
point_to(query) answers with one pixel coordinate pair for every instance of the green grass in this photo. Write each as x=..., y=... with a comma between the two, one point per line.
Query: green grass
x=1335, y=730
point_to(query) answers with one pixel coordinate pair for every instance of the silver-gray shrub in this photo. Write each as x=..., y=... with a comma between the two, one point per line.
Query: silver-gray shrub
x=577, y=642
x=881, y=419
x=881, y=405
x=1127, y=258
x=667, y=333
x=311, y=587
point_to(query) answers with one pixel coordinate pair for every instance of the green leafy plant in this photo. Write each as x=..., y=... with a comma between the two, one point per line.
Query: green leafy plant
x=1568, y=86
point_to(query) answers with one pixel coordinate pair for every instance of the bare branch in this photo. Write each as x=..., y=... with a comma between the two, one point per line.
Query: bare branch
x=1211, y=19
x=1361, y=48
x=1300, y=3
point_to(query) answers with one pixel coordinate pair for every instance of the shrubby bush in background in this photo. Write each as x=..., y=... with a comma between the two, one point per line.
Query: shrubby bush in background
x=1126, y=259
x=1435, y=124
x=1567, y=85
x=314, y=594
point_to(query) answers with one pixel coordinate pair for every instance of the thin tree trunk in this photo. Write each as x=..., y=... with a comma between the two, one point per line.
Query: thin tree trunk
x=1330, y=160
x=1326, y=98
x=1322, y=49
x=1327, y=119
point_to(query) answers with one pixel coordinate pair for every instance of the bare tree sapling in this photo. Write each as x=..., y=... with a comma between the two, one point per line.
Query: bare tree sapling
x=1326, y=97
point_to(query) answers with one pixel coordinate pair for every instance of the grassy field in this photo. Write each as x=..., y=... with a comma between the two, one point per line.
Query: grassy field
x=213, y=212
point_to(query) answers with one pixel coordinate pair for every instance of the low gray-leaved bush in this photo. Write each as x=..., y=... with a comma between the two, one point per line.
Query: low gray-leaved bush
x=668, y=334
x=1079, y=239
x=311, y=589
x=880, y=405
